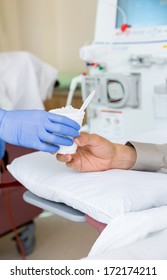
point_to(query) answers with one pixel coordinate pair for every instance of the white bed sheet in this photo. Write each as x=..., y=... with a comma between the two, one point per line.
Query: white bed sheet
x=141, y=235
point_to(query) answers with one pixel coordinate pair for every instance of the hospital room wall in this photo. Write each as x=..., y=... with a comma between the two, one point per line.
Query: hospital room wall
x=54, y=30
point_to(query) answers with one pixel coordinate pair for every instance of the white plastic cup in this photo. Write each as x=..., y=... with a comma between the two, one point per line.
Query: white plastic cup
x=75, y=115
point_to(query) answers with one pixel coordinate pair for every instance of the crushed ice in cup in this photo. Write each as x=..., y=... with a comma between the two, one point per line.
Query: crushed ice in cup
x=64, y=110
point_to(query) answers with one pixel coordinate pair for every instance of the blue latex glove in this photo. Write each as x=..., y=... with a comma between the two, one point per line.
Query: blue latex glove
x=2, y=148
x=37, y=129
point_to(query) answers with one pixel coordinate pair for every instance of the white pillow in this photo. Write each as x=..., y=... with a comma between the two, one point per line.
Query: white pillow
x=101, y=195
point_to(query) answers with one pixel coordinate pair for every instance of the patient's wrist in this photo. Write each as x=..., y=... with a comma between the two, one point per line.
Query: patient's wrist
x=125, y=157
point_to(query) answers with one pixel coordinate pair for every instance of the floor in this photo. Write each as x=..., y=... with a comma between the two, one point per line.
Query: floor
x=56, y=239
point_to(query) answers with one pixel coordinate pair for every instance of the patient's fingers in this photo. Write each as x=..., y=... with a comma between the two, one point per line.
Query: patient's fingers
x=88, y=139
x=74, y=163
x=70, y=160
x=64, y=158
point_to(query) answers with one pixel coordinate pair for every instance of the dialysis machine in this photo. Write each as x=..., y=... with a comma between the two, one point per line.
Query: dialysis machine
x=127, y=66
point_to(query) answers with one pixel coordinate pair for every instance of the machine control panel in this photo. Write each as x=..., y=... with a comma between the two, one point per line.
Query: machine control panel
x=137, y=35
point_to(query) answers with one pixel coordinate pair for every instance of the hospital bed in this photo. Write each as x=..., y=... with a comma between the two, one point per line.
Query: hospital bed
x=130, y=206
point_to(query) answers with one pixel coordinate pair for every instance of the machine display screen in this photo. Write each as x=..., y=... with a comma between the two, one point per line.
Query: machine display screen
x=142, y=13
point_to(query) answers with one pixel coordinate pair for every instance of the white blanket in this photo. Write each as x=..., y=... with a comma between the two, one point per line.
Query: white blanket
x=138, y=235
x=25, y=81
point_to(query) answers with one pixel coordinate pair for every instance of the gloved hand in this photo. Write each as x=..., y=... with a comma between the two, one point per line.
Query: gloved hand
x=2, y=148
x=37, y=129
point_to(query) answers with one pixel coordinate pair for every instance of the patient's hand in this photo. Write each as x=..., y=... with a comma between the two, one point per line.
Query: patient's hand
x=96, y=153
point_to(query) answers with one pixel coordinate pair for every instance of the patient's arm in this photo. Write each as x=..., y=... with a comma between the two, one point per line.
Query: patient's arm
x=150, y=157
x=96, y=153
